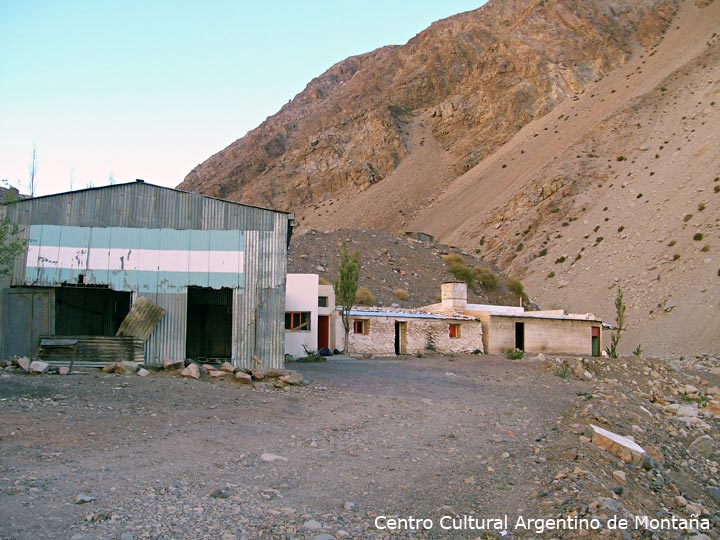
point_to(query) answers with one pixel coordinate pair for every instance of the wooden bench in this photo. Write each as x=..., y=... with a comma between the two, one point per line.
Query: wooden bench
x=59, y=345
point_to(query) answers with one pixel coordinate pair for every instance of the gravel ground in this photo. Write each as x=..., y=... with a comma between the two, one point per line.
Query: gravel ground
x=161, y=457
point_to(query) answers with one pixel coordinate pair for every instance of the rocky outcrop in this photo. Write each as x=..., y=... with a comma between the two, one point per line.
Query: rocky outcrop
x=477, y=77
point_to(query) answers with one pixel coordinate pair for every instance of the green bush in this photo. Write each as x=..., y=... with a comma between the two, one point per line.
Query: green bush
x=698, y=236
x=514, y=354
x=486, y=278
x=459, y=269
x=516, y=287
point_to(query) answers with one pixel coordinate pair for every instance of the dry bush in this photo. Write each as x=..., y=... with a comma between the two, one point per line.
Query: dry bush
x=401, y=294
x=364, y=297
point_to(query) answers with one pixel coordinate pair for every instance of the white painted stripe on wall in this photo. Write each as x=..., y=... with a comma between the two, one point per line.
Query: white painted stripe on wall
x=153, y=260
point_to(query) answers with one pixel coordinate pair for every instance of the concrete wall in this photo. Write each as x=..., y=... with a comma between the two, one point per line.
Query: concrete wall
x=302, y=295
x=380, y=341
x=553, y=336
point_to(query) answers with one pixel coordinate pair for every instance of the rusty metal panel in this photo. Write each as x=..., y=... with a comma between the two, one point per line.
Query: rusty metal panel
x=142, y=319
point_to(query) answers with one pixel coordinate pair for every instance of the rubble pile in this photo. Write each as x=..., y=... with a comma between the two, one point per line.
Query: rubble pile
x=259, y=379
x=641, y=443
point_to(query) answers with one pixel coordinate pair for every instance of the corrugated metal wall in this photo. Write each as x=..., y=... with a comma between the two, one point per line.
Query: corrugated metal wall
x=258, y=305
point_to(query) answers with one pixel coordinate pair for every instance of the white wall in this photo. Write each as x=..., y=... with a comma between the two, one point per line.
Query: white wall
x=302, y=295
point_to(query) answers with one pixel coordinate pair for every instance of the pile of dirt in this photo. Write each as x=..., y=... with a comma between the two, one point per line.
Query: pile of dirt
x=397, y=270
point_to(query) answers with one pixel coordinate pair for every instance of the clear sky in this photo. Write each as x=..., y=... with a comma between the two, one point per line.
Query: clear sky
x=149, y=89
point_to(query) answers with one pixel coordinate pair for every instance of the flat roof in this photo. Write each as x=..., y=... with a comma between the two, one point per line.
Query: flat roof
x=408, y=315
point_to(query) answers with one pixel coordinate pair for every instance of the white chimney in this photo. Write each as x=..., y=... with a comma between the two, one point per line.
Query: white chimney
x=454, y=295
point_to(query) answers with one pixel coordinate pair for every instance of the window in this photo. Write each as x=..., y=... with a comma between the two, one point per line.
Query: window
x=322, y=301
x=454, y=331
x=297, y=321
x=361, y=326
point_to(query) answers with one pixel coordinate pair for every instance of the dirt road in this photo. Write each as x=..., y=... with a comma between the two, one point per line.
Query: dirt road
x=162, y=457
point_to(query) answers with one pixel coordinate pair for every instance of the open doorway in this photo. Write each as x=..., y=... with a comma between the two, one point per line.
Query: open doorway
x=89, y=311
x=400, y=337
x=209, y=324
x=520, y=336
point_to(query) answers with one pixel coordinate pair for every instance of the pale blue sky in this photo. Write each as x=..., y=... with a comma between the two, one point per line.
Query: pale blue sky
x=149, y=89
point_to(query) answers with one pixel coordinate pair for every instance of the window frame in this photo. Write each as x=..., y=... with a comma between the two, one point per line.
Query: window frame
x=455, y=330
x=302, y=324
x=323, y=301
x=363, y=324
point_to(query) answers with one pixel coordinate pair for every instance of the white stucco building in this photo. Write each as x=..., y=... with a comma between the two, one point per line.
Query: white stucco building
x=309, y=313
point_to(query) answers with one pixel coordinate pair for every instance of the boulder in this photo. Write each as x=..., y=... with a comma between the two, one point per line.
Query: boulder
x=24, y=363
x=191, y=372
x=243, y=378
x=216, y=373
x=227, y=367
x=258, y=374
x=703, y=445
x=38, y=367
x=143, y=372
x=63, y=370
x=626, y=449
x=127, y=368
x=170, y=365
x=293, y=378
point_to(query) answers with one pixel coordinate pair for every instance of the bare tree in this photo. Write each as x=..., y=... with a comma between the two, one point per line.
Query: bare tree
x=33, y=169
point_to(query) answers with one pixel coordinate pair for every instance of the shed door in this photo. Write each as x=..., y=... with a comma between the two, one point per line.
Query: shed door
x=596, y=341
x=27, y=317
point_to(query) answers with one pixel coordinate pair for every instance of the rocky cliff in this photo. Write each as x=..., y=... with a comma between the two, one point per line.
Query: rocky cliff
x=479, y=76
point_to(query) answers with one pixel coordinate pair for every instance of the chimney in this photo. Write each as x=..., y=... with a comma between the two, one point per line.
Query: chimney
x=454, y=295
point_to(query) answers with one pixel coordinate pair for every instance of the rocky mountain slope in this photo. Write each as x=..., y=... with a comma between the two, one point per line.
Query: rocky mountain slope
x=480, y=76
x=572, y=144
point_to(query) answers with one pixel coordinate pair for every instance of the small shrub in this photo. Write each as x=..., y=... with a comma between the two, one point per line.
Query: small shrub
x=676, y=257
x=364, y=297
x=698, y=236
x=563, y=371
x=620, y=158
x=671, y=243
x=401, y=294
x=702, y=206
x=516, y=287
x=705, y=248
x=514, y=354
x=550, y=275
x=458, y=268
x=486, y=278
x=621, y=228
x=637, y=351
x=542, y=252
x=639, y=196
x=598, y=240
x=561, y=260
x=716, y=189
x=687, y=217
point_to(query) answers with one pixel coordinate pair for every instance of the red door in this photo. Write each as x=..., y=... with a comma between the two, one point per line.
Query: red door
x=323, y=332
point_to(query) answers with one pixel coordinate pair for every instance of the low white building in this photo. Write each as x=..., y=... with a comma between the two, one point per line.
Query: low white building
x=309, y=313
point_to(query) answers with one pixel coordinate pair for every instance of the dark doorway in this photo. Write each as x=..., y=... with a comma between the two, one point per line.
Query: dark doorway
x=323, y=332
x=520, y=336
x=209, y=323
x=400, y=337
x=89, y=311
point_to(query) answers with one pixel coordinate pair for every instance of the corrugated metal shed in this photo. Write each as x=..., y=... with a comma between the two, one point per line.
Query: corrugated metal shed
x=156, y=242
